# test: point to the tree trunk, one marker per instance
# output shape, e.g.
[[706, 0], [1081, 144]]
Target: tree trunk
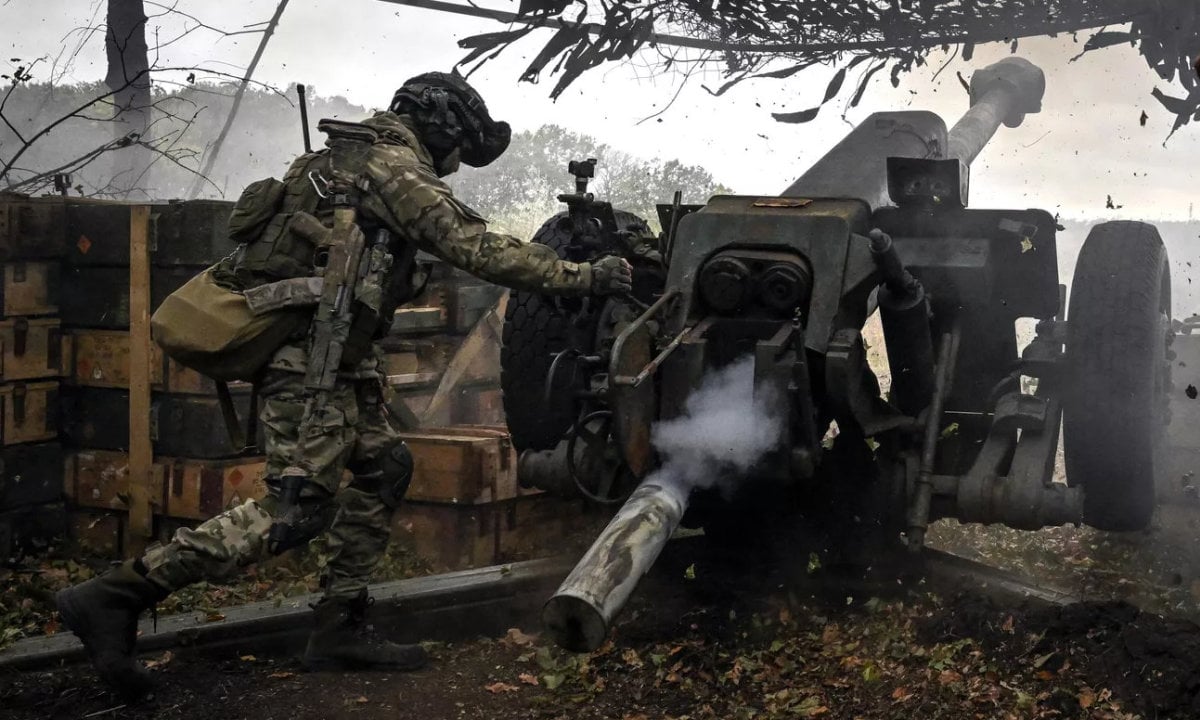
[[129, 79]]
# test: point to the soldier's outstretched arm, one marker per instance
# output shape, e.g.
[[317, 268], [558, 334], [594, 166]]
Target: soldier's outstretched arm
[[419, 206]]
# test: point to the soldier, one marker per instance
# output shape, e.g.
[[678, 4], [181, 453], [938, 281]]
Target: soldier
[[435, 121]]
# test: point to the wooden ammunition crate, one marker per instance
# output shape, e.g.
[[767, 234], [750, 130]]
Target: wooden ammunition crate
[[462, 465], [183, 488], [419, 320], [193, 232], [540, 525], [30, 288], [533, 525], [180, 425], [98, 297], [29, 412], [100, 358], [198, 490], [451, 537], [32, 529], [33, 349], [478, 405], [467, 303], [32, 228], [30, 475]]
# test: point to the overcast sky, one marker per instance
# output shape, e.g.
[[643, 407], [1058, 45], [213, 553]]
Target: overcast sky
[[1086, 144]]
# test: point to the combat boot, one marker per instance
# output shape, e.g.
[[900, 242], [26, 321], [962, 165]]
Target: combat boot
[[103, 612], [341, 640]]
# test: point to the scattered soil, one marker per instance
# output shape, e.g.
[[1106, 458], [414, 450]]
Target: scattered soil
[[1157, 570], [710, 648]]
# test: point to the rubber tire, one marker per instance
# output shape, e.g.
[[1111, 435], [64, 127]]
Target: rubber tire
[[536, 328], [1114, 423]]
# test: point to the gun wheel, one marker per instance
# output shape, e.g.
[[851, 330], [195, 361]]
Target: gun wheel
[[537, 328], [1115, 414]]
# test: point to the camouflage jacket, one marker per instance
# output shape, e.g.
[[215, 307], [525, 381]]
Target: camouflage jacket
[[406, 197]]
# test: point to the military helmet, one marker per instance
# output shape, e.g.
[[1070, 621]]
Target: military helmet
[[483, 139]]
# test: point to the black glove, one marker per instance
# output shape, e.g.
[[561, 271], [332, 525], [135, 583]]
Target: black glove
[[612, 276]]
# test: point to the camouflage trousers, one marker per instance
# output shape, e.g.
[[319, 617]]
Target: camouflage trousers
[[352, 431]]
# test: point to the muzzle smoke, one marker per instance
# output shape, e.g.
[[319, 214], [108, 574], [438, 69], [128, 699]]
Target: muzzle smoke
[[725, 430]]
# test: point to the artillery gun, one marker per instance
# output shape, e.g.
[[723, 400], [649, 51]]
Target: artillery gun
[[880, 224]]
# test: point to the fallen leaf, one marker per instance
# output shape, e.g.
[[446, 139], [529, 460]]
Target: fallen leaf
[[528, 679], [515, 638], [247, 658], [1008, 625], [830, 635], [161, 661], [901, 694], [500, 687], [281, 675], [949, 677], [214, 617], [690, 573], [632, 659], [553, 680]]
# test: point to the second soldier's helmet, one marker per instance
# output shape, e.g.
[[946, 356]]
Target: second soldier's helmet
[[453, 112]]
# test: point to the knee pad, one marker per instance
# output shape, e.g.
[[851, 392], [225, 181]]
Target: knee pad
[[387, 475]]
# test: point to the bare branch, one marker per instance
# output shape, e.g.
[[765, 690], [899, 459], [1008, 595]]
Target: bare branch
[[78, 111]]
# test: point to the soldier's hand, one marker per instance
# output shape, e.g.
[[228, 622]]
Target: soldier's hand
[[612, 276]]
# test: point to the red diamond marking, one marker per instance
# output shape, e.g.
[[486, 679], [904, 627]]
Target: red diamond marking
[[84, 244]]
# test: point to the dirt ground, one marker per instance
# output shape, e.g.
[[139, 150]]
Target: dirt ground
[[699, 642], [1157, 569], [695, 648]]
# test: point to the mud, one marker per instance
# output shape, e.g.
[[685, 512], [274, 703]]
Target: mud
[[1150, 661]]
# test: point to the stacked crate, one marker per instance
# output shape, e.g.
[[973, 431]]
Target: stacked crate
[[99, 264], [447, 341], [31, 365], [465, 507], [196, 471]]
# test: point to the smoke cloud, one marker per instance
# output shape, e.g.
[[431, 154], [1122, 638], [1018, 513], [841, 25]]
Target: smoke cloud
[[725, 430]]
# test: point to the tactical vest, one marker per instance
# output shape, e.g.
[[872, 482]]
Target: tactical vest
[[269, 250]]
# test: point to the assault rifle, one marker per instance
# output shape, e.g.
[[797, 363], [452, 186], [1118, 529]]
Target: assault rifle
[[349, 307]]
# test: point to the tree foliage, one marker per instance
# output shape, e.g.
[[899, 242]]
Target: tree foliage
[[742, 39], [519, 190]]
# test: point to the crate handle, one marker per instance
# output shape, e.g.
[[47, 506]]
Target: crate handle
[[19, 393], [20, 336]]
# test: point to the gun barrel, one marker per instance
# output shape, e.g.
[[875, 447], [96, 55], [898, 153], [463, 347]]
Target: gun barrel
[[1003, 92], [579, 615]]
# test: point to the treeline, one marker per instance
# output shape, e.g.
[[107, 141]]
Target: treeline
[[517, 192]]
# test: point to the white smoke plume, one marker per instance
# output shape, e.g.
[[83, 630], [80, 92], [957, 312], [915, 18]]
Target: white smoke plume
[[725, 430]]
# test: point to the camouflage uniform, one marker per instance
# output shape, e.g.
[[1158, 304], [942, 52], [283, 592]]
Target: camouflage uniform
[[406, 198]]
